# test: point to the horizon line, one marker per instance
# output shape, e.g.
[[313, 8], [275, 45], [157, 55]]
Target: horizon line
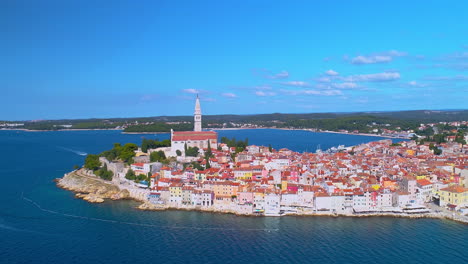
[[136, 117]]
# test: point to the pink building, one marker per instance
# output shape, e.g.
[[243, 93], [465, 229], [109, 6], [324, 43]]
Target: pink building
[[245, 197]]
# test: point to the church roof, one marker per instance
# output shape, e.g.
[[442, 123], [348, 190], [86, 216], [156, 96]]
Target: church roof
[[194, 135]]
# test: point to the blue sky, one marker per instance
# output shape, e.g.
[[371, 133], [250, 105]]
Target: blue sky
[[83, 59]]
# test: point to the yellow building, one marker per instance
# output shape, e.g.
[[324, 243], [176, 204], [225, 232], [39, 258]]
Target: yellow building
[[226, 188], [243, 173], [175, 189], [422, 177], [455, 195]]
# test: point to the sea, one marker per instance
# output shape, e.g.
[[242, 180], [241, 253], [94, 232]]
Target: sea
[[40, 223]]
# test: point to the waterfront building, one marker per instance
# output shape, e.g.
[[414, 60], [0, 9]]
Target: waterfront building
[[454, 195], [272, 204]]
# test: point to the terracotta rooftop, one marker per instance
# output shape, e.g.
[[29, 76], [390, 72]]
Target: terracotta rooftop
[[193, 135]]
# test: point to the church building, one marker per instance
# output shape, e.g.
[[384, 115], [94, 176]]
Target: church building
[[196, 138]]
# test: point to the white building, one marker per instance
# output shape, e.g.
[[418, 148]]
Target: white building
[[272, 204]]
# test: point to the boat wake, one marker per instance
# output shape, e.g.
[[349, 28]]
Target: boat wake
[[77, 152], [142, 224], [5, 226]]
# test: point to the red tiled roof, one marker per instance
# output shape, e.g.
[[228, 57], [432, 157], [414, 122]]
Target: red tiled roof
[[194, 135]]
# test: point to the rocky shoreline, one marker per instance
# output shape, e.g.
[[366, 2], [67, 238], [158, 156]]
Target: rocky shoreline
[[95, 190], [89, 189]]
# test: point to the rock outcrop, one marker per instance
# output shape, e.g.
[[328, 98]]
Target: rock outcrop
[[91, 189]]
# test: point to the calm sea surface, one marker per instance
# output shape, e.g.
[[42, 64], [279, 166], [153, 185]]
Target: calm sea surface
[[40, 223]]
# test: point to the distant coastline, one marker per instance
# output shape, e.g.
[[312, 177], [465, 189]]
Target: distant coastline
[[215, 129], [310, 130], [66, 129]]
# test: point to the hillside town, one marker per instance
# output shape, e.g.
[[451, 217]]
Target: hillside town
[[200, 173]]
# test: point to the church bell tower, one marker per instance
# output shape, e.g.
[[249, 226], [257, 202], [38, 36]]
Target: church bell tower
[[197, 116]]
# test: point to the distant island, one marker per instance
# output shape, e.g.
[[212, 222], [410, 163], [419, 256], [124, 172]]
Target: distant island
[[424, 177], [394, 124]]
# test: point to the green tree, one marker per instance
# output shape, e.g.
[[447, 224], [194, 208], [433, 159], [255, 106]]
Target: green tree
[[130, 175], [157, 156], [192, 152], [208, 152], [270, 148], [460, 138], [92, 162], [140, 177], [104, 173], [128, 152], [153, 144], [439, 138], [437, 151], [240, 145]]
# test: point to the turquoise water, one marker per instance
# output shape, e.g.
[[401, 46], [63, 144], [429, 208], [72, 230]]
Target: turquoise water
[[40, 223]]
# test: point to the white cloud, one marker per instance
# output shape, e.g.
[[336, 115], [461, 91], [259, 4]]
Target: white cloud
[[323, 79], [371, 59], [281, 75], [381, 57], [296, 83], [416, 84], [345, 85], [396, 53], [313, 92], [191, 91], [229, 95], [265, 73], [264, 93], [457, 56], [331, 73], [326, 92], [263, 87], [448, 78], [375, 77]]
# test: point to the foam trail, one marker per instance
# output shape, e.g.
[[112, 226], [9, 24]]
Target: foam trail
[[5, 226], [77, 152], [142, 224]]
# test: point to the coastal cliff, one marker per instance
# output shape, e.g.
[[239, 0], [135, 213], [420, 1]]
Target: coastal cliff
[[91, 189]]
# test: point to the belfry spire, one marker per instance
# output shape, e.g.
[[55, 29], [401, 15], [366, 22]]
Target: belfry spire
[[197, 116]]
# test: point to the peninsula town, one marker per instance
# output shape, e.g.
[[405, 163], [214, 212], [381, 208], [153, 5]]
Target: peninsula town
[[426, 176]]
